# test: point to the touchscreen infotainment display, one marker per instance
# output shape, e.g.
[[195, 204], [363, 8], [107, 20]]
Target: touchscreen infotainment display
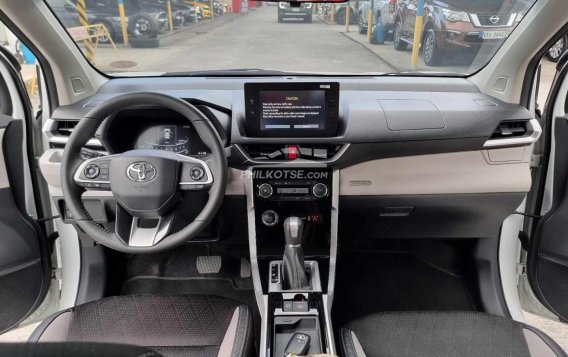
[[292, 109]]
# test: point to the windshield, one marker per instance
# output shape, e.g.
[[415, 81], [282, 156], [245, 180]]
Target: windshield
[[225, 37]]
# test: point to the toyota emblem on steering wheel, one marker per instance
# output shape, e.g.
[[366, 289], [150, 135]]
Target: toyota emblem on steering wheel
[[141, 171]]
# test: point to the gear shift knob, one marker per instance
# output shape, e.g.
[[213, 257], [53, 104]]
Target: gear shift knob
[[293, 266], [293, 230]]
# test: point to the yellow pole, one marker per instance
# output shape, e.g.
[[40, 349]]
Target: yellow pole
[[347, 20], [123, 24], [84, 21], [33, 84], [332, 21], [195, 8], [417, 34], [212, 9], [103, 30], [369, 25], [170, 16]]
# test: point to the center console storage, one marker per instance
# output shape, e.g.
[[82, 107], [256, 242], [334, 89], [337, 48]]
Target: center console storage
[[285, 326], [297, 312]]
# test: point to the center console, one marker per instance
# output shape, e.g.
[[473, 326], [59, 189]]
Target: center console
[[292, 214]]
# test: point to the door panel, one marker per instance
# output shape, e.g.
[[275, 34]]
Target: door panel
[[24, 259], [548, 254]]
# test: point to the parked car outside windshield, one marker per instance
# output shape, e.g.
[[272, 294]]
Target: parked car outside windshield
[[445, 37]]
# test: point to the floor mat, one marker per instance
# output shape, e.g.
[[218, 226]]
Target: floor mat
[[190, 269], [374, 282], [190, 286], [191, 261], [185, 271]]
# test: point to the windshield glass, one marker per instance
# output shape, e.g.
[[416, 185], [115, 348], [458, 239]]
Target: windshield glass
[[224, 37]]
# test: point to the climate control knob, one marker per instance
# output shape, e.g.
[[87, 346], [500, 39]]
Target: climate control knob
[[320, 190], [265, 190]]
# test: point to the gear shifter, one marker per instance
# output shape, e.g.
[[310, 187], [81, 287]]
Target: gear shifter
[[293, 269]]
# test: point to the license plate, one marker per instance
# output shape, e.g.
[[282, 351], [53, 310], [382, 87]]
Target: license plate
[[295, 10], [494, 35]]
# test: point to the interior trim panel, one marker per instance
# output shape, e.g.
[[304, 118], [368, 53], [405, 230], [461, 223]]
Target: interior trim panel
[[461, 172]]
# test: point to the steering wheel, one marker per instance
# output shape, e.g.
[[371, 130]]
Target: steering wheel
[[147, 184]]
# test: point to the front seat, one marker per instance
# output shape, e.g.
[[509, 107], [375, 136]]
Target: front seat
[[444, 334], [172, 325]]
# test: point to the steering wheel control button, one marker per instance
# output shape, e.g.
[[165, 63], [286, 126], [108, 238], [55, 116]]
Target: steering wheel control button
[[196, 173], [270, 218], [91, 171], [265, 190], [320, 190]]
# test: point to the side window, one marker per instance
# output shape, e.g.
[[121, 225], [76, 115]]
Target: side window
[[548, 69], [30, 72]]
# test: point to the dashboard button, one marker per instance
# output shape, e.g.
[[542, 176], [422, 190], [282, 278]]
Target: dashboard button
[[197, 173], [300, 306], [91, 171], [287, 306], [270, 218]]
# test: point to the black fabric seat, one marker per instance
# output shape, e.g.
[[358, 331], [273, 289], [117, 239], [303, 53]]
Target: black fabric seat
[[444, 334], [172, 325], [74, 349]]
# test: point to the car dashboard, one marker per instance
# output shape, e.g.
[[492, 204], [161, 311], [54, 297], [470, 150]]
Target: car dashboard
[[378, 117], [358, 159]]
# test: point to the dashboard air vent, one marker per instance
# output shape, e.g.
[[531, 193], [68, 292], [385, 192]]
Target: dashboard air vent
[[58, 132], [510, 129], [284, 152], [65, 128]]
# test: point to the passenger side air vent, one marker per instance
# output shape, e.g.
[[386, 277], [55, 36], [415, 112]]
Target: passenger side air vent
[[510, 129], [514, 133], [284, 152]]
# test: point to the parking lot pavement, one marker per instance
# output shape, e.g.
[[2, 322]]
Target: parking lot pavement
[[400, 61], [237, 43]]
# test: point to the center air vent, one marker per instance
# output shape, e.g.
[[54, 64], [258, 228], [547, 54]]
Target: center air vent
[[284, 152]]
